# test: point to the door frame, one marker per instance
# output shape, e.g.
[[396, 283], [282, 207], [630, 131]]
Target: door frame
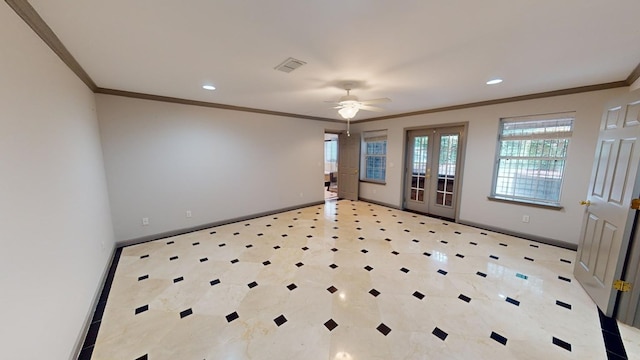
[[462, 144]]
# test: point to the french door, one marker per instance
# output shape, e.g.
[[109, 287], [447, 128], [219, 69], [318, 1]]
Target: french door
[[432, 176]]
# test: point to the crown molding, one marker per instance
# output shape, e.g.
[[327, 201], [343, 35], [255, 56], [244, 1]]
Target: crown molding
[[37, 24], [576, 90], [174, 100]]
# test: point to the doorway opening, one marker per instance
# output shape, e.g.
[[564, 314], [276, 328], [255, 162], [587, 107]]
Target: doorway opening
[[433, 176], [330, 166]]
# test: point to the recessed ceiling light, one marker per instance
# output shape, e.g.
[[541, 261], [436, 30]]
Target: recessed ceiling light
[[208, 87], [494, 81]]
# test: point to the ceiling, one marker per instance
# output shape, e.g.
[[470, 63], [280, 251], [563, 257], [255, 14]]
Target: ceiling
[[421, 54]]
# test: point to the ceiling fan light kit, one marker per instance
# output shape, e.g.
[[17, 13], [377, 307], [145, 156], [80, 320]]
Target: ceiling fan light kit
[[349, 105]]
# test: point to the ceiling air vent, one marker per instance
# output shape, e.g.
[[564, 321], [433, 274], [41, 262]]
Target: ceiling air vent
[[289, 65]]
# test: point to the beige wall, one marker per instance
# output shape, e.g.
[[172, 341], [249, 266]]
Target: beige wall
[[56, 235], [163, 160], [561, 225]]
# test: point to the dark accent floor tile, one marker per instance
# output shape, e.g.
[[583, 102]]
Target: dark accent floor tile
[[214, 282], [144, 256], [464, 298], [503, 244], [234, 261], [480, 273], [482, 233], [141, 309], [384, 329], [222, 245], [277, 247], [234, 315], [564, 278], [460, 256], [259, 234], [334, 249], [404, 270], [204, 259], [563, 344], [457, 232], [173, 258], [265, 263], [195, 243], [143, 277], [309, 236], [249, 246], [566, 261], [360, 238], [178, 279], [442, 272], [444, 241], [418, 295], [236, 233], [364, 251], [395, 252], [374, 292], [143, 357], [383, 230], [499, 338], [563, 304], [299, 264], [368, 268], [513, 301], [185, 313], [305, 248], [333, 266], [528, 258], [284, 235], [426, 254], [252, 284], [440, 334], [534, 246], [415, 240], [494, 257], [170, 242], [280, 320], [406, 230], [332, 289], [213, 232], [331, 324], [522, 276], [473, 243], [291, 286], [387, 239]]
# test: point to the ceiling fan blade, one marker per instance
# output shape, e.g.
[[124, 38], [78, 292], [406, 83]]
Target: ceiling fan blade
[[376, 101], [370, 108]]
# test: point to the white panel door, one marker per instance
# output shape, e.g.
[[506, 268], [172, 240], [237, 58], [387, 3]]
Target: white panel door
[[608, 218], [348, 166]]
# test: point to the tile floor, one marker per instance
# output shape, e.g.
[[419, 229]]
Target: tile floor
[[347, 280]]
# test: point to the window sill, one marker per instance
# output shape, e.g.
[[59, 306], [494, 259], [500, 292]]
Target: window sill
[[373, 181], [526, 203]]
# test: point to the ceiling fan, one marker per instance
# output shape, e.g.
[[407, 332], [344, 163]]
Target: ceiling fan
[[349, 105]]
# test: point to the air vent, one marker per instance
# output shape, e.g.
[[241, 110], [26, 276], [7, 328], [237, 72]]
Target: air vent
[[289, 65]]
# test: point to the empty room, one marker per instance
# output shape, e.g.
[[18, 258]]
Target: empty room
[[319, 180]]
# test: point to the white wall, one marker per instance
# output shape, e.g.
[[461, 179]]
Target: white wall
[[164, 159], [56, 236], [561, 225]]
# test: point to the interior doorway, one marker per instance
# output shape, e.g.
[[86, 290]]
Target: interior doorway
[[433, 176], [330, 166]]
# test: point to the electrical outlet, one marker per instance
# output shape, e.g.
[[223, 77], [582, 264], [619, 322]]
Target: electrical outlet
[[525, 218], [145, 221], [188, 213]]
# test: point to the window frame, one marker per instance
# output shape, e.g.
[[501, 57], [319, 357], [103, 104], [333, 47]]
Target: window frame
[[558, 136], [372, 137]]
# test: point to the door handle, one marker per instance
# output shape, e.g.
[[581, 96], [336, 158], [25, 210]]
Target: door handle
[[585, 202]]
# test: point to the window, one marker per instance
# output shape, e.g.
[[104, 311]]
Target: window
[[330, 153], [531, 158], [374, 149]]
